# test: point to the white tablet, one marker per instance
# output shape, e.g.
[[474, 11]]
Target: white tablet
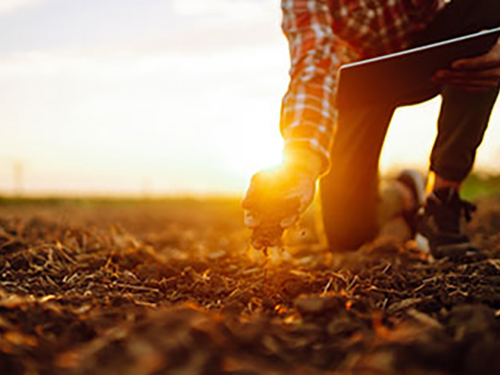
[[407, 73]]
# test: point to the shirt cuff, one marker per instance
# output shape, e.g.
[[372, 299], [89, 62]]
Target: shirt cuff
[[297, 146]]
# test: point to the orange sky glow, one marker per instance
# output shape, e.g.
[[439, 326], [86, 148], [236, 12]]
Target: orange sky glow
[[165, 97]]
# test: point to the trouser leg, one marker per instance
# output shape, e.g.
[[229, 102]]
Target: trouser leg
[[349, 193], [462, 123], [464, 115]]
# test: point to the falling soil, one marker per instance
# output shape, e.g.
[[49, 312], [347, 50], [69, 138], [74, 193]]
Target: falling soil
[[173, 288]]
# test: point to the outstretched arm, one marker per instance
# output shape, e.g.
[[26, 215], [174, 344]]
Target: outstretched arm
[[307, 119], [308, 113]]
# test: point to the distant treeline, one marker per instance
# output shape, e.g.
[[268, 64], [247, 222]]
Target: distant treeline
[[477, 185]]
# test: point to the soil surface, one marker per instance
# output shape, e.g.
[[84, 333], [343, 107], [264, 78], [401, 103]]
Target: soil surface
[[172, 288]]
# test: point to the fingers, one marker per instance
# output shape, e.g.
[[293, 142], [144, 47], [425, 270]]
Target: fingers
[[488, 74], [476, 63], [486, 61], [249, 203], [289, 221], [261, 244], [472, 86], [473, 89], [251, 219], [474, 80], [252, 194], [277, 200], [457, 81]]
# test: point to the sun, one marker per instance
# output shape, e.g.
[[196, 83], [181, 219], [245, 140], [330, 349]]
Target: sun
[[259, 149]]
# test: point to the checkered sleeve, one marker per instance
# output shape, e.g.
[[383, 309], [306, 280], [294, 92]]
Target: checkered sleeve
[[308, 114], [422, 10]]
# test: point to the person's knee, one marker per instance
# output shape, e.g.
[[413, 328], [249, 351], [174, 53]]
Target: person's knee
[[350, 218], [349, 235]]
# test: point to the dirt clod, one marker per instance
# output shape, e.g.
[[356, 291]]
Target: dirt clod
[[170, 288]]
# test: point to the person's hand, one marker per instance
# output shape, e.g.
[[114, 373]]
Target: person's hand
[[475, 74], [277, 197]]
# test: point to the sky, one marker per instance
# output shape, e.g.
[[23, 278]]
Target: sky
[[157, 97]]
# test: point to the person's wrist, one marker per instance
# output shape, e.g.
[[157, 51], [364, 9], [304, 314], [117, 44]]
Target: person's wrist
[[304, 161]]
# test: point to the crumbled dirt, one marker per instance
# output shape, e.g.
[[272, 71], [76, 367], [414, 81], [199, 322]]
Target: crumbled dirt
[[172, 288]]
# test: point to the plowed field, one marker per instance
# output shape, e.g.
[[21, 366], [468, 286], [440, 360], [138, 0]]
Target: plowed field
[[172, 288]]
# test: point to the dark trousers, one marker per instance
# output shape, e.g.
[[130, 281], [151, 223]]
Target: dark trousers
[[349, 193]]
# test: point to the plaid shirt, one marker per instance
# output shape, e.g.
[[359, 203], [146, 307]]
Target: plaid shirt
[[325, 34]]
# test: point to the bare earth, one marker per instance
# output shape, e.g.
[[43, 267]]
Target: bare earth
[[172, 288]]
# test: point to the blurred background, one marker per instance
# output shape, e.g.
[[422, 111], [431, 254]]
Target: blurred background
[[157, 97]]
